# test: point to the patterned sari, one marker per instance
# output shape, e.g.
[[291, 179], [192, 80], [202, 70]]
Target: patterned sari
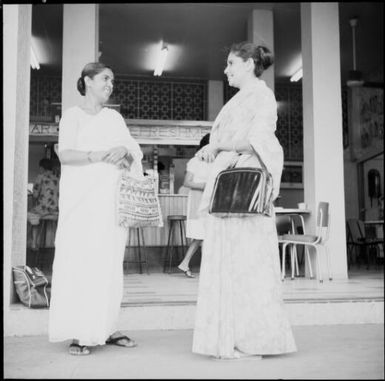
[[240, 304]]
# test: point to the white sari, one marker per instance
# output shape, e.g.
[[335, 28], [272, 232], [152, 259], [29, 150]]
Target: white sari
[[87, 278]]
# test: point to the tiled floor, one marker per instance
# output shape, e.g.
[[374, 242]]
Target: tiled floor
[[176, 288]]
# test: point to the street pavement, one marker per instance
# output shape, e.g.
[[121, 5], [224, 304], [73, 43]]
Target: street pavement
[[324, 352]]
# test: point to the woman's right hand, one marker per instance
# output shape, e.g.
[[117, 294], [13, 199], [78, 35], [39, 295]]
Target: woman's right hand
[[126, 162], [116, 154], [208, 153]]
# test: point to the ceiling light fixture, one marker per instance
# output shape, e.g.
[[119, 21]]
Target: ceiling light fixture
[[161, 61], [34, 62], [296, 76], [355, 76]]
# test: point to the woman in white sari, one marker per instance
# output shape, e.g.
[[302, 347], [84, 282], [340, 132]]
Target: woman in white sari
[[240, 311], [87, 278]]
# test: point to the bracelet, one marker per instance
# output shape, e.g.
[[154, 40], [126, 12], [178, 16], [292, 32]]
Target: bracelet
[[89, 156]]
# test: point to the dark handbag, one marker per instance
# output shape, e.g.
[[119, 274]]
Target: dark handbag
[[32, 286], [243, 191], [138, 202]]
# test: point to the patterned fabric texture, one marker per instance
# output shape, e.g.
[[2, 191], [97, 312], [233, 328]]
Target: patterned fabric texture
[[240, 304], [138, 203], [46, 193]]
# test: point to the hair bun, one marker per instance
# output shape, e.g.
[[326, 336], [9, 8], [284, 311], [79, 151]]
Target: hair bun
[[81, 86], [265, 57]]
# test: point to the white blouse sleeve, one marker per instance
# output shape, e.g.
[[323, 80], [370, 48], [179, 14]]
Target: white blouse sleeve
[[68, 131]]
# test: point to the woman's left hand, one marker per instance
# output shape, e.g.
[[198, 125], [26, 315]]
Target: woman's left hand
[[208, 153], [115, 155]]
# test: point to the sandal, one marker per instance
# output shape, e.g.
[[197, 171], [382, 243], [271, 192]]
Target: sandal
[[119, 341], [187, 272], [78, 350]]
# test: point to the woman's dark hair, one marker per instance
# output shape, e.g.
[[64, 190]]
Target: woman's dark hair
[[90, 70], [262, 56], [46, 164], [204, 141]]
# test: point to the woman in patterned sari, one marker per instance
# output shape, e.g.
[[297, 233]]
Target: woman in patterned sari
[[240, 310]]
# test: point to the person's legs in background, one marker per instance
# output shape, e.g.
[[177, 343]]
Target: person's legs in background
[[184, 265], [34, 221]]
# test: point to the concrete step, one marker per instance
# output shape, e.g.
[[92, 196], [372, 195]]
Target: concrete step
[[23, 321]]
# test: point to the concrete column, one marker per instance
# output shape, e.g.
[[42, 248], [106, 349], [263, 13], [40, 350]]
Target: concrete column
[[16, 89], [215, 98], [80, 46], [322, 126], [260, 30]]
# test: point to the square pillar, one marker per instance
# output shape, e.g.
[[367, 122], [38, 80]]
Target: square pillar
[[260, 30], [322, 126], [215, 98], [17, 21], [80, 46]]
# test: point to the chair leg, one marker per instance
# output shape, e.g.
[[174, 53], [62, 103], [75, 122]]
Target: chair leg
[[283, 261], [292, 261], [171, 248], [318, 265], [182, 238], [280, 251], [167, 248], [309, 263], [328, 259], [302, 258], [296, 260]]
